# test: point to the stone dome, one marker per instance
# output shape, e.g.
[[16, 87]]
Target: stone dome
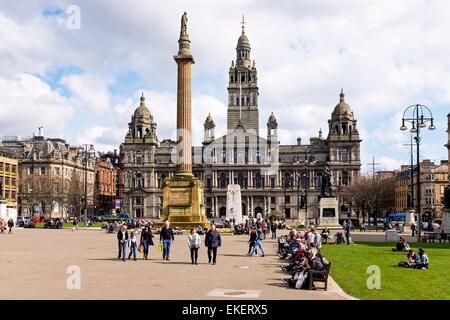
[[209, 120], [142, 111], [243, 41], [342, 109], [272, 118]]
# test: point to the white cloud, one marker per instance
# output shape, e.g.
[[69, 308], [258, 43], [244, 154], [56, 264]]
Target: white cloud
[[27, 102], [89, 92]]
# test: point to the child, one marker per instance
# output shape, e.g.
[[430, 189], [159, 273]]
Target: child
[[132, 242], [423, 260]]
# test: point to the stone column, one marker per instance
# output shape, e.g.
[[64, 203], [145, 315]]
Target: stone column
[[184, 60]]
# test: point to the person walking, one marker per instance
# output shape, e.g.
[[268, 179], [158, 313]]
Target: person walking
[[75, 224], [258, 243], [347, 233], [2, 226], [122, 237], [166, 237], [413, 229], [10, 225], [252, 240], [194, 242], [273, 227], [146, 240], [132, 243], [212, 242]]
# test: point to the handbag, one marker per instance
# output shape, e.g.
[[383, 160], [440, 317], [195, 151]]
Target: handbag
[[160, 248], [301, 279], [140, 248]]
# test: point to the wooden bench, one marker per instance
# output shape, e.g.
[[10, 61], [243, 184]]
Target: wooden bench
[[432, 236], [372, 228], [320, 276]]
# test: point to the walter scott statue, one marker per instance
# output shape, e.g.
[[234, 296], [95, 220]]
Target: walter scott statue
[[326, 182]]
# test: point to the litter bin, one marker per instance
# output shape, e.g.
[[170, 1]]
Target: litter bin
[[391, 235]]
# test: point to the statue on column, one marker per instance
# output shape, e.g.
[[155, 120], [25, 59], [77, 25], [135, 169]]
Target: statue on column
[[184, 20], [409, 202], [326, 182], [447, 197]]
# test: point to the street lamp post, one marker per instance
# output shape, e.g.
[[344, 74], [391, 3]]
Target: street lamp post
[[417, 120], [88, 152]]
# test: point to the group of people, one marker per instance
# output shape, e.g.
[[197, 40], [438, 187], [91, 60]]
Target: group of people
[[414, 260], [166, 239], [4, 224], [306, 255]]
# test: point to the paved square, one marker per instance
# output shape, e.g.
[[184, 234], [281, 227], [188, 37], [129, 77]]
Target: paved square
[[34, 262]]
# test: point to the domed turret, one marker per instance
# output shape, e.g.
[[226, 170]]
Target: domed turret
[[209, 125], [142, 112], [342, 109]]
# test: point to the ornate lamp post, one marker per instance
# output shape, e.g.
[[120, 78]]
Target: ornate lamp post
[[418, 121], [88, 152]]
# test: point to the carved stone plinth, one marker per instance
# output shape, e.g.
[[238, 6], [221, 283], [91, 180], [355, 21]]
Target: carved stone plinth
[[183, 204]]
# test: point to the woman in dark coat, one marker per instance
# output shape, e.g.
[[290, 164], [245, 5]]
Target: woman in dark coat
[[146, 239]]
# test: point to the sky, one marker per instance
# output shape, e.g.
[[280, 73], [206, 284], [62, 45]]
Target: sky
[[77, 68]]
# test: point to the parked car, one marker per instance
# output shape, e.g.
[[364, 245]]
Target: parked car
[[20, 221], [28, 223]]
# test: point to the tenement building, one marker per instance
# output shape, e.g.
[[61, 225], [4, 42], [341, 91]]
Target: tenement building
[[8, 177], [54, 177], [273, 177]]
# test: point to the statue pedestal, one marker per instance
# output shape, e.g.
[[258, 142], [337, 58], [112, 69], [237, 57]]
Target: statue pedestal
[[329, 210], [445, 220], [302, 217], [183, 204], [409, 220]]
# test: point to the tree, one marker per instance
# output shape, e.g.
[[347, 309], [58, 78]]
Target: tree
[[75, 194], [370, 195]]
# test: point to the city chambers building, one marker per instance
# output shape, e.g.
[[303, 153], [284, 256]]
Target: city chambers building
[[273, 177]]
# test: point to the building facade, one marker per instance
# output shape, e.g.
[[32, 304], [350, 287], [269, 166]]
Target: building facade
[[433, 179], [52, 177], [105, 186], [272, 177], [9, 177]]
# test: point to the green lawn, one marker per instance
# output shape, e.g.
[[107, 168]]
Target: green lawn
[[349, 265], [70, 225]]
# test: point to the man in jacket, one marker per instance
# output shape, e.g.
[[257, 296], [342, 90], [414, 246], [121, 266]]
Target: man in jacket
[[273, 227], [122, 237], [212, 242], [166, 237]]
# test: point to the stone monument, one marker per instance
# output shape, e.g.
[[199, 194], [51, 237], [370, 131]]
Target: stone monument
[[183, 201], [446, 211], [234, 203], [302, 211], [409, 219], [329, 206]]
